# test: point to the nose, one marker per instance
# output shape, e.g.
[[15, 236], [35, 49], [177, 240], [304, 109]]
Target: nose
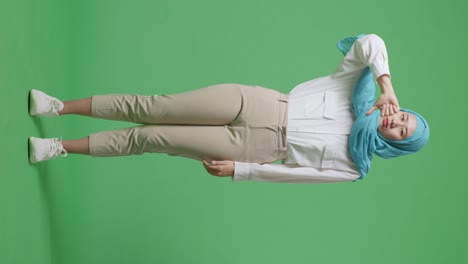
[[396, 123]]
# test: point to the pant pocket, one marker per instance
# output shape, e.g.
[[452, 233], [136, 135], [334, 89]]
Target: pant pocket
[[262, 144]]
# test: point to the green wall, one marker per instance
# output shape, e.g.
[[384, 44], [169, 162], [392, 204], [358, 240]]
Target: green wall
[[163, 209]]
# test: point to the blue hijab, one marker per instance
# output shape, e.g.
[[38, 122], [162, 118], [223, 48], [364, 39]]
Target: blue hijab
[[364, 139]]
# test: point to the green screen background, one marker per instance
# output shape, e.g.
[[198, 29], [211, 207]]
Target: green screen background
[[163, 209]]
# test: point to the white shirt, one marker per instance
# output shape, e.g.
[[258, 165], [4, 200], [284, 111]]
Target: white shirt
[[320, 118]]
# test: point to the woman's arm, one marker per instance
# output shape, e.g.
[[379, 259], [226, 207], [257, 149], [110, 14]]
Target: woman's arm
[[371, 51], [387, 102], [291, 173], [368, 51]]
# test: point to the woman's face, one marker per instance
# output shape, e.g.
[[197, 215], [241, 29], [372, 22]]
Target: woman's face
[[398, 126]]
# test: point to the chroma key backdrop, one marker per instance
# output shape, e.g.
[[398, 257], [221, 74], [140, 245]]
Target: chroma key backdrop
[[157, 208]]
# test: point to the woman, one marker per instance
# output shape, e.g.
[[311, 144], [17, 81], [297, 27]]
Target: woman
[[324, 130]]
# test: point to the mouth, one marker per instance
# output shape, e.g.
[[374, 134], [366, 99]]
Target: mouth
[[385, 122]]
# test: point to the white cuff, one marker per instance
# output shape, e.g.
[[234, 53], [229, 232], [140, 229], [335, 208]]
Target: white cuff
[[241, 171]]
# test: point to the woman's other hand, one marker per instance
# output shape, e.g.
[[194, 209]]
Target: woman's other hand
[[387, 101], [220, 168]]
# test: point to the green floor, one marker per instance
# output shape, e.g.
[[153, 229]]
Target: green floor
[[162, 209]]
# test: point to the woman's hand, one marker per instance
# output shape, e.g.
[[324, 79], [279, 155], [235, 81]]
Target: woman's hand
[[387, 101], [221, 168]]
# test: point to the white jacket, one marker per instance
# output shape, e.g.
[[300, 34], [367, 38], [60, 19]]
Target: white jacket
[[320, 118]]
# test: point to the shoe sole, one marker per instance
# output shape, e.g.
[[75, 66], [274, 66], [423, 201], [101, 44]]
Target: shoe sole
[[31, 102], [30, 151]]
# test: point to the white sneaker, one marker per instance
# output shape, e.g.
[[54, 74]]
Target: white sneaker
[[41, 104], [41, 149]]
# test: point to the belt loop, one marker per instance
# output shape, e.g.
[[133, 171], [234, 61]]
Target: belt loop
[[282, 147], [283, 97]]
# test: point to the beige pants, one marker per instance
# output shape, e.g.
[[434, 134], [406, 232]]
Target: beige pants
[[226, 121]]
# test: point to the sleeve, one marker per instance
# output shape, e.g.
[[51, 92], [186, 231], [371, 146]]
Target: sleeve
[[289, 173], [370, 51]]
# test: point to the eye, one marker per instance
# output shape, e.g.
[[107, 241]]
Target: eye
[[402, 117]]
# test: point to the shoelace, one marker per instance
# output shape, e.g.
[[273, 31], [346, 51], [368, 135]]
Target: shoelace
[[54, 105], [56, 148]]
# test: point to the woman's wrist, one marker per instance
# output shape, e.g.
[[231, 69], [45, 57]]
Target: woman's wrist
[[385, 84]]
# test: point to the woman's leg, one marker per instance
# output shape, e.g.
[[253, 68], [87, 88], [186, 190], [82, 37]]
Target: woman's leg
[[213, 105], [195, 142], [77, 107], [77, 146]]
